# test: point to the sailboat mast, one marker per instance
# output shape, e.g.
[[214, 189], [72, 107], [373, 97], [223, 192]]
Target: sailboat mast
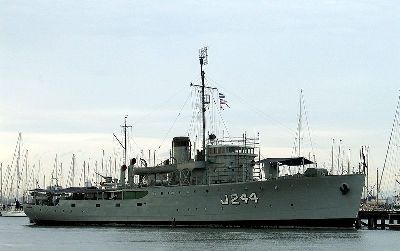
[[1, 183], [125, 140], [56, 165], [300, 120], [26, 176], [333, 145], [73, 170], [377, 186], [18, 159]]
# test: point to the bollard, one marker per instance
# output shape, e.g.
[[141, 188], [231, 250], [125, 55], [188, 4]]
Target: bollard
[[370, 224], [375, 220], [358, 224], [383, 223]]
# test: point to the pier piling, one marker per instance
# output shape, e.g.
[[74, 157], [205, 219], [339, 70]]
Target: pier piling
[[373, 217]]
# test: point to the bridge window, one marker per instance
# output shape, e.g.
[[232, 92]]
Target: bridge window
[[231, 149]]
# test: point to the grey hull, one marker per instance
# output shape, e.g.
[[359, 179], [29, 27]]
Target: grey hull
[[291, 201]]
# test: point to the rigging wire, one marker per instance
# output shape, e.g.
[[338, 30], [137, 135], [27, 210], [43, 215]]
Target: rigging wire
[[173, 124], [141, 119], [395, 120], [308, 125], [252, 106]]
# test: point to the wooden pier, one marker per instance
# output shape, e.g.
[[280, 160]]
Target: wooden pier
[[376, 219]]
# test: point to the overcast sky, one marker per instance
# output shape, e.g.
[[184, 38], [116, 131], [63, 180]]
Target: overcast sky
[[70, 71]]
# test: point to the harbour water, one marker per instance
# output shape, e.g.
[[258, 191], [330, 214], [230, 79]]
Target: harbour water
[[19, 234]]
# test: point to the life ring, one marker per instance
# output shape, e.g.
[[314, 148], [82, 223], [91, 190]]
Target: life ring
[[344, 188]]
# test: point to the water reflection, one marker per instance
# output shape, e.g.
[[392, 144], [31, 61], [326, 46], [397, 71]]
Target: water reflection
[[18, 234]]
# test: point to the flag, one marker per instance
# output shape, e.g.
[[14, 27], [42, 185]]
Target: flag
[[222, 101]]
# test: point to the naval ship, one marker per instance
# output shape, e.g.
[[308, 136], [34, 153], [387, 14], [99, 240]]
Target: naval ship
[[216, 185]]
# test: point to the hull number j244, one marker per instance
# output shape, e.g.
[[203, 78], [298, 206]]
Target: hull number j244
[[236, 199]]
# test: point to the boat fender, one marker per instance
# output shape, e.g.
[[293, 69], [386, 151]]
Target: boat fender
[[344, 188]]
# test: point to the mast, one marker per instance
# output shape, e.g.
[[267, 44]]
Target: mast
[[348, 162], [84, 173], [56, 165], [333, 145], [338, 156], [377, 187], [367, 163], [102, 164], [203, 61], [1, 183], [125, 139], [26, 176], [73, 170], [61, 173], [300, 120], [18, 159]]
